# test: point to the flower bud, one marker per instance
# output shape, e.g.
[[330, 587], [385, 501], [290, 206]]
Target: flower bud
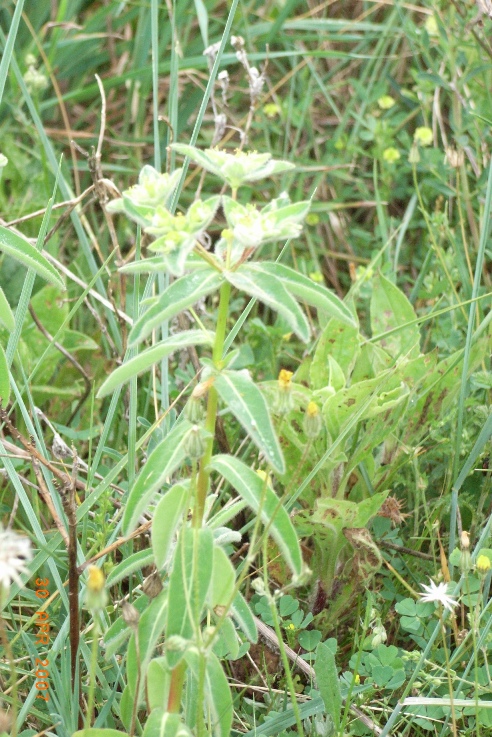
[[283, 401], [152, 586], [194, 445], [95, 595], [194, 411], [130, 615], [312, 421]]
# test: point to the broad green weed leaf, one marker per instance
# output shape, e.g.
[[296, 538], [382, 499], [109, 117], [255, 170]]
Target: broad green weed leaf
[[161, 463], [268, 289], [162, 723], [339, 408], [188, 584], [390, 309], [340, 514], [246, 402], [21, 250], [4, 378], [218, 697], [305, 290], [147, 358], [180, 295], [6, 314], [167, 517], [328, 684], [261, 498], [340, 341]]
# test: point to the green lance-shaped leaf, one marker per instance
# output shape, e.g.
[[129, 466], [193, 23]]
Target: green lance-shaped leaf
[[180, 295], [391, 309], [260, 496], [6, 314], [189, 583], [4, 378], [164, 724], [135, 562], [151, 625], [162, 462], [305, 290], [147, 358], [270, 290], [99, 732], [167, 517], [242, 614], [223, 579], [21, 250], [328, 684], [218, 698], [247, 404]]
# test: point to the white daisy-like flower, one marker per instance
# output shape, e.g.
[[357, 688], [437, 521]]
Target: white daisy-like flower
[[438, 593], [15, 552]]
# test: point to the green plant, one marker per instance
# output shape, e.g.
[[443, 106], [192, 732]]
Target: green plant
[[203, 588]]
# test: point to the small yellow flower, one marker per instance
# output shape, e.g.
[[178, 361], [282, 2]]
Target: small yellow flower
[[423, 136], [312, 409], [291, 626], [431, 26], [96, 580], [317, 277], [483, 564], [265, 477], [284, 379], [391, 155], [271, 110], [386, 102]]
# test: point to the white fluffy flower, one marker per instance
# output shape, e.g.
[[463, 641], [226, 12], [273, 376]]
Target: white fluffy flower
[[438, 592], [15, 552]]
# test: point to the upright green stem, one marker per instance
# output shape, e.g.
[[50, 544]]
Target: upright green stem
[[92, 683], [203, 472]]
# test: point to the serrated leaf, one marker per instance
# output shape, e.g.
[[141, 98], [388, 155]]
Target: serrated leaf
[[21, 250], [6, 314], [130, 565], [390, 309], [167, 517], [307, 291], [147, 358], [180, 295], [268, 289], [218, 695], [4, 378], [189, 583], [260, 496], [247, 404], [161, 463]]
